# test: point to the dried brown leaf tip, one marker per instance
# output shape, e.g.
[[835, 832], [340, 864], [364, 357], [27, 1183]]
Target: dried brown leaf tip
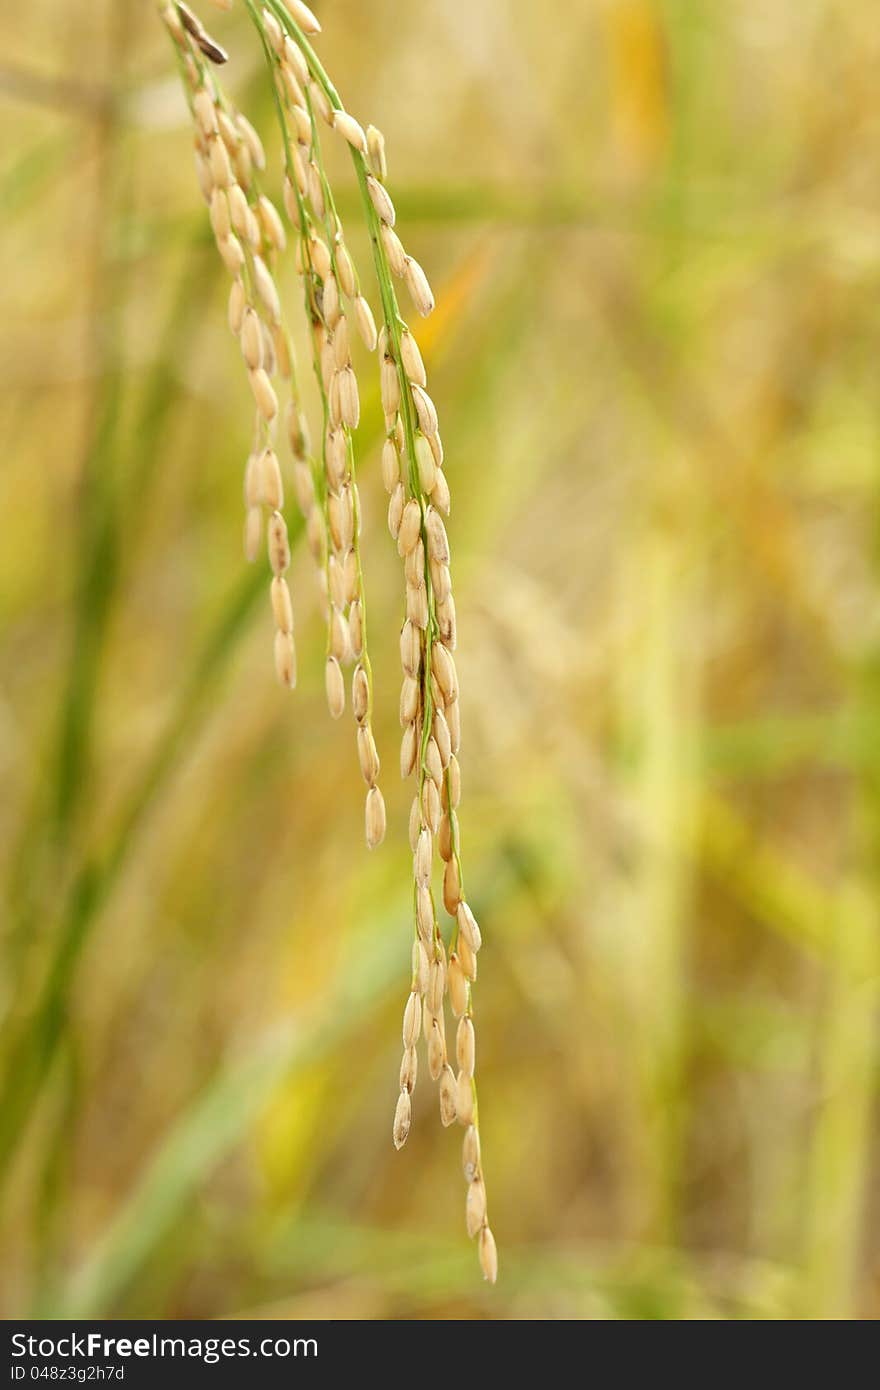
[[252, 240]]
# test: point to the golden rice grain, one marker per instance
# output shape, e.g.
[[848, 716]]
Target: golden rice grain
[[475, 1206], [271, 486], [390, 466], [410, 695], [296, 60], [402, 1119], [412, 1020], [252, 141], [447, 1089], [282, 607], [264, 394], [467, 926], [334, 686], [375, 818], [412, 359], [457, 985], [350, 130], [396, 507], [368, 756], [381, 201], [409, 1069], [410, 526], [436, 1052], [360, 694], [426, 411], [464, 1098], [365, 322], [408, 749], [376, 150], [285, 659], [468, 959], [303, 16], [488, 1255], [279, 547], [420, 290], [465, 1046], [237, 305], [393, 246]]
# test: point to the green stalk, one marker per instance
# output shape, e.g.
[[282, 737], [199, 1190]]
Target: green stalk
[[31, 1049]]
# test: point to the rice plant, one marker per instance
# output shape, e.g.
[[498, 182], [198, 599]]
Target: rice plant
[[653, 352], [252, 239]]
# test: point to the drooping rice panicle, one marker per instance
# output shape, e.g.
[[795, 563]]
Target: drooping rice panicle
[[250, 236], [429, 697], [330, 288]]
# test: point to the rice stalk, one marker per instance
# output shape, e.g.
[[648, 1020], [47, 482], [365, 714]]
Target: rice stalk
[[251, 239]]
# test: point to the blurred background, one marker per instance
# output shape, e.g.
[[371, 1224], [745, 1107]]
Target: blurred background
[[654, 231]]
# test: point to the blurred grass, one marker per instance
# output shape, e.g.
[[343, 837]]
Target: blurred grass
[[655, 232]]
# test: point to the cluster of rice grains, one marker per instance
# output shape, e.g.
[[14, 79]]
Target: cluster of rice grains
[[251, 238]]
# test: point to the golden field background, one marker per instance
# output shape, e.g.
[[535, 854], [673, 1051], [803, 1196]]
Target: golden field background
[[654, 232]]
